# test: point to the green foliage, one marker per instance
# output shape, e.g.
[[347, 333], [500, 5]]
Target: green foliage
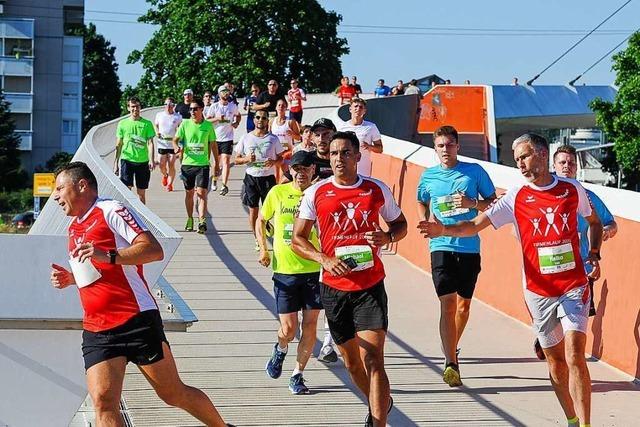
[[12, 176], [203, 43], [16, 201], [620, 119], [101, 91]]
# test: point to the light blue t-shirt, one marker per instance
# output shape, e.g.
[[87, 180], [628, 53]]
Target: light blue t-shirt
[[583, 226], [438, 184]]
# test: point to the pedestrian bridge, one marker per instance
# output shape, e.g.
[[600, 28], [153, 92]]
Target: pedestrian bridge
[[217, 279]]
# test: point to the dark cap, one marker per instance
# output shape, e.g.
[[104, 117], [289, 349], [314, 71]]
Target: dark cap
[[304, 158], [323, 123]]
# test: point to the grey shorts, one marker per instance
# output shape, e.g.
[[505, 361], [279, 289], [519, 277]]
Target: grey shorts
[[554, 316]]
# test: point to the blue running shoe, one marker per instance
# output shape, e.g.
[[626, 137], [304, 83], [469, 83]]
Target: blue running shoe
[[296, 385], [274, 365]]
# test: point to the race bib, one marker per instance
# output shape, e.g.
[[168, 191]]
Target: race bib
[[446, 207], [138, 141], [556, 259], [361, 254], [295, 102], [287, 233]]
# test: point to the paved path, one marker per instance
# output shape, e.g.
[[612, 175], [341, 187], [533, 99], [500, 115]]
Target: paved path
[[225, 352]]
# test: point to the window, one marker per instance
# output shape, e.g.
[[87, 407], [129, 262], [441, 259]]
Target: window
[[71, 68], [15, 84], [22, 121], [18, 47], [70, 89], [69, 127]]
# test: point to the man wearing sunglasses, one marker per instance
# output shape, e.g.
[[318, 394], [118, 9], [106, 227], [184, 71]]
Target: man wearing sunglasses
[[267, 100], [259, 150], [225, 117], [166, 124], [199, 142], [183, 107]]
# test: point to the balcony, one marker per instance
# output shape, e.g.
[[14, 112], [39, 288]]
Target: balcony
[[16, 28], [20, 103], [16, 67]]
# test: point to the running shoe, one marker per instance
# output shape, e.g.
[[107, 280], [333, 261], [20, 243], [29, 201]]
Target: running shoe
[[368, 421], [165, 180], [170, 187], [274, 365], [189, 225], [202, 226], [451, 375], [537, 348], [214, 187], [296, 385], [224, 190], [328, 354]]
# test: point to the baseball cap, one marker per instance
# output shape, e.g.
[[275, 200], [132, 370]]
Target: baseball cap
[[304, 158], [323, 123], [187, 92], [223, 88]]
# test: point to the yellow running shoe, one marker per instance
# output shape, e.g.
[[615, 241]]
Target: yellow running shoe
[[451, 375]]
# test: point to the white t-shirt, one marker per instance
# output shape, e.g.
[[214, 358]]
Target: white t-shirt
[[283, 132], [224, 130], [367, 132], [167, 126], [266, 147]]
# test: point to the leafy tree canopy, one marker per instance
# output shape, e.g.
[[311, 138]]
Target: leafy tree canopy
[[620, 119], [12, 175], [203, 43]]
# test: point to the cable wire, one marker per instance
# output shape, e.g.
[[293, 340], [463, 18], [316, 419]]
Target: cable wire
[[571, 83]]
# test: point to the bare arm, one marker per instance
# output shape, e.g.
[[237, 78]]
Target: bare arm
[[261, 237], [609, 231], [462, 201], [431, 229], [397, 231], [376, 147], [423, 211], [143, 250], [116, 161], [302, 246], [595, 240], [236, 120], [295, 130], [150, 148]]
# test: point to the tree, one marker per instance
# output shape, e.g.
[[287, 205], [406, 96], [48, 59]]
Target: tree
[[620, 119], [101, 91], [203, 43], [13, 176]]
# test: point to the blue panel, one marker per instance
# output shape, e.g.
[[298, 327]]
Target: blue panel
[[512, 102]]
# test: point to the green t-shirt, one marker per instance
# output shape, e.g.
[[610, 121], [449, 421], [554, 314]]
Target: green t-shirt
[[134, 135], [281, 204], [196, 138]]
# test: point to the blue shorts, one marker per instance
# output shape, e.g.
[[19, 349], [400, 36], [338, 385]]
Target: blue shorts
[[295, 292]]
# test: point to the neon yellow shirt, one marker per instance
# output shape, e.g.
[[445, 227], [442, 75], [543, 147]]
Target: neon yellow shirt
[[281, 205], [134, 135], [196, 138]]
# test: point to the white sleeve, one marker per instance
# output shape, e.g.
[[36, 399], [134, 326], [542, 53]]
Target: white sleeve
[[123, 222], [375, 133], [390, 211], [303, 93], [584, 205], [501, 211], [307, 208], [239, 149]]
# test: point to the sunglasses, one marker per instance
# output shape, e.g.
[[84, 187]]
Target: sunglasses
[[261, 118], [194, 108], [169, 103]]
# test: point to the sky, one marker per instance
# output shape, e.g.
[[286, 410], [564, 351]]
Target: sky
[[485, 42]]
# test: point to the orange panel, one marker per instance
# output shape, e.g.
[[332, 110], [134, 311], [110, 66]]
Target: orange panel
[[614, 333], [462, 107]]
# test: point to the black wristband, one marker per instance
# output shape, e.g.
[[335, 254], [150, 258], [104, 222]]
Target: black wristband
[[112, 256]]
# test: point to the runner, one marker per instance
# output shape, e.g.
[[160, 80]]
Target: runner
[[287, 132], [226, 117], [295, 96], [249, 101], [166, 124], [183, 107], [121, 320], [260, 151], [267, 100], [307, 140], [566, 166], [295, 280], [134, 158], [323, 130], [198, 143], [451, 191], [207, 98], [545, 212], [368, 134], [352, 275], [345, 91]]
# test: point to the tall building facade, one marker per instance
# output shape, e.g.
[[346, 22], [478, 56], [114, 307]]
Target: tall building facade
[[41, 75]]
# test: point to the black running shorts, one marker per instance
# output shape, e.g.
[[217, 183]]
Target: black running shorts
[[350, 312], [455, 272], [195, 176], [137, 173], [139, 340], [225, 147], [255, 189]]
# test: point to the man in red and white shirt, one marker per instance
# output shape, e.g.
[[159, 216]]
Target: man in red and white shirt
[[346, 209], [545, 214], [121, 319], [295, 96]]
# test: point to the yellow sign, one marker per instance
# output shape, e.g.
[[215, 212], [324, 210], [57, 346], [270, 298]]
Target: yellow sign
[[43, 184]]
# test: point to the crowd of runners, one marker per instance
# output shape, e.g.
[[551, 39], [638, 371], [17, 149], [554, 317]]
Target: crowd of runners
[[309, 190]]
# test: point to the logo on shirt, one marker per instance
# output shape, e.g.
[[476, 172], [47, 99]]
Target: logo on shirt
[[350, 211], [366, 193], [129, 219], [530, 199], [330, 193], [548, 220], [563, 195]]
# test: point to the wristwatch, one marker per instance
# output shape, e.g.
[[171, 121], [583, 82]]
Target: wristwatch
[[112, 256], [595, 252]]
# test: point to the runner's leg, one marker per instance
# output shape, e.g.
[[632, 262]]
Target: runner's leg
[[462, 317], [350, 351], [371, 345], [164, 378], [308, 337], [448, 334], [559, 376], [579, 378], [104, 381]]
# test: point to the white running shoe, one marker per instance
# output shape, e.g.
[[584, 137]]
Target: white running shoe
[[328, 354]]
